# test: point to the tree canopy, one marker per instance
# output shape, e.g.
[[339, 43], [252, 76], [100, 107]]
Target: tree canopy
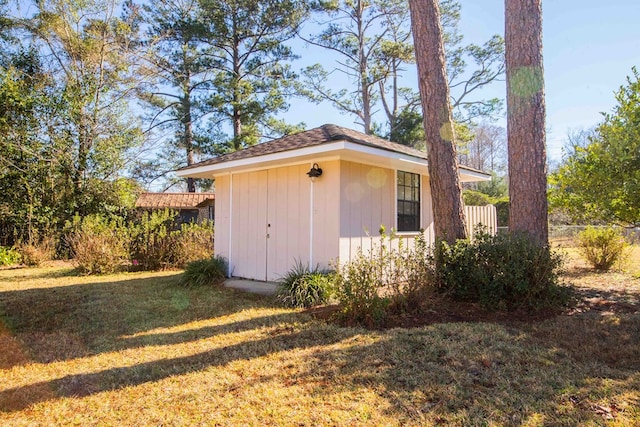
[[600, 181]]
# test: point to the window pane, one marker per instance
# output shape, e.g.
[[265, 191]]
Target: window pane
[[408, 204]]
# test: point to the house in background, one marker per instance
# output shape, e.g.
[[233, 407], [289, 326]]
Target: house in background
[[319, 196], [191, 207]]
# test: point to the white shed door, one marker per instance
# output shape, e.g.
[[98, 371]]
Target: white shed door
[[269, 222], [249, 225]]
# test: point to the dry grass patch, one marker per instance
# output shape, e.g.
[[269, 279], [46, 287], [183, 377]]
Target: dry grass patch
[[137, 349]]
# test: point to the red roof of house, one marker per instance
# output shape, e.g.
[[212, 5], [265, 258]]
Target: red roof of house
[[172, 200]]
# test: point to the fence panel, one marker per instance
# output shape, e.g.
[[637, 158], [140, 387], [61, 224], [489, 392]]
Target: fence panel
[[481, 215]]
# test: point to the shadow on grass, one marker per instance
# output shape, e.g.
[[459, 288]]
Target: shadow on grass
[[70, 321], [81, 385]]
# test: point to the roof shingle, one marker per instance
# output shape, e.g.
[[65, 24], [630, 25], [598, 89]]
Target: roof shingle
[[172, 200], [320, 135]]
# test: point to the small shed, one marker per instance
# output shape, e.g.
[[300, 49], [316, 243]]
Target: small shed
[[191, 207], [317, 197]]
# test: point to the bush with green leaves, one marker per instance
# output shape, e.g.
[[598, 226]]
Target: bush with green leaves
[[303, 287], [602, 247], [159, 241], [98, 244], [211, 272], [392, 276], [359, 288], [9, 256], [506, 271], [151, 239]]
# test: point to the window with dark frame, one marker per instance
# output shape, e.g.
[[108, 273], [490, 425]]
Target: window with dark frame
[[408, 201]]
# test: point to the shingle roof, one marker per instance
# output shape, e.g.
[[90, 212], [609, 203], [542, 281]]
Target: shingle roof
[[317, 136], [172, 200], [320, 135]]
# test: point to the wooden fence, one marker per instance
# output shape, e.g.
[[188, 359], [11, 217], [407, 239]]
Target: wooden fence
[[481, 215]]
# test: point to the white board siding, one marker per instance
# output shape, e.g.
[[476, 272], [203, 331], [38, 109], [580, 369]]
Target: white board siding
[[221, 220], [289, 217], [326, 216], [367, 201]]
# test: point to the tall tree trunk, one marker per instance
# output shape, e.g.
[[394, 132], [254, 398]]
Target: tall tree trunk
[[187, 126], [446, 193], [526, 119]]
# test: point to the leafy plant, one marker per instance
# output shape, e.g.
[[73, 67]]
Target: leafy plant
[[602, 247], [35, 253], [303, 287], [505, 271], [190, 243], [99, 245], [9, 256], [151, 239], [212, 271]]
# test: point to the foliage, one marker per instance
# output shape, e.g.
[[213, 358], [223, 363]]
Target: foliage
[[601, 180], [9, 256], [151, 243], [358, 289], [476, 198], [502, 211], [191, 242], [99, 245], [40, 249], [205, 272], [64, 126], [158, 241], [251, 76], [502, 272], [303, 287], [602, 247], [373, 40], [372, 285]]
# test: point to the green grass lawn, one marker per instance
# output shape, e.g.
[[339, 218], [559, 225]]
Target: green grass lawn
[[137, 349]]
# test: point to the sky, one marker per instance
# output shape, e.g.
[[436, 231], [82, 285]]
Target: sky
[[589, 48]]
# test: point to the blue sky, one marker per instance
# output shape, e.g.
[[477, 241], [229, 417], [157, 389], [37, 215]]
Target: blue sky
[[589, 48]]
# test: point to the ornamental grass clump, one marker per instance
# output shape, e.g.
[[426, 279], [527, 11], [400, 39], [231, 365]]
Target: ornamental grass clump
[[303, 287], [602, 247], [205, 272]]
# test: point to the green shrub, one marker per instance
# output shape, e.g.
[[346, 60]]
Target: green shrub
[[151, 242], [302, 287], [9, 256], [371, 286], [190, 243], [359, 285], [99, 245], [475, 198], [502, 211], [506, 271], [203, 272], [602, 247]]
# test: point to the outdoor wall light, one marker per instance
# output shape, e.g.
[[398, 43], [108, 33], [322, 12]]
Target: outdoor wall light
[[314, 172]]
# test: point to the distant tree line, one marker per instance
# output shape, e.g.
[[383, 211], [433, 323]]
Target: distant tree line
[[101, 98]]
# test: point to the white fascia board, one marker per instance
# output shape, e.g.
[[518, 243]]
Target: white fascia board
[[330, 150], [467, 175], [321, 150], [252, 162]]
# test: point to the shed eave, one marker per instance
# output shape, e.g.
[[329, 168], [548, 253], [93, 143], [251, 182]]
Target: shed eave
[[342, 149]]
